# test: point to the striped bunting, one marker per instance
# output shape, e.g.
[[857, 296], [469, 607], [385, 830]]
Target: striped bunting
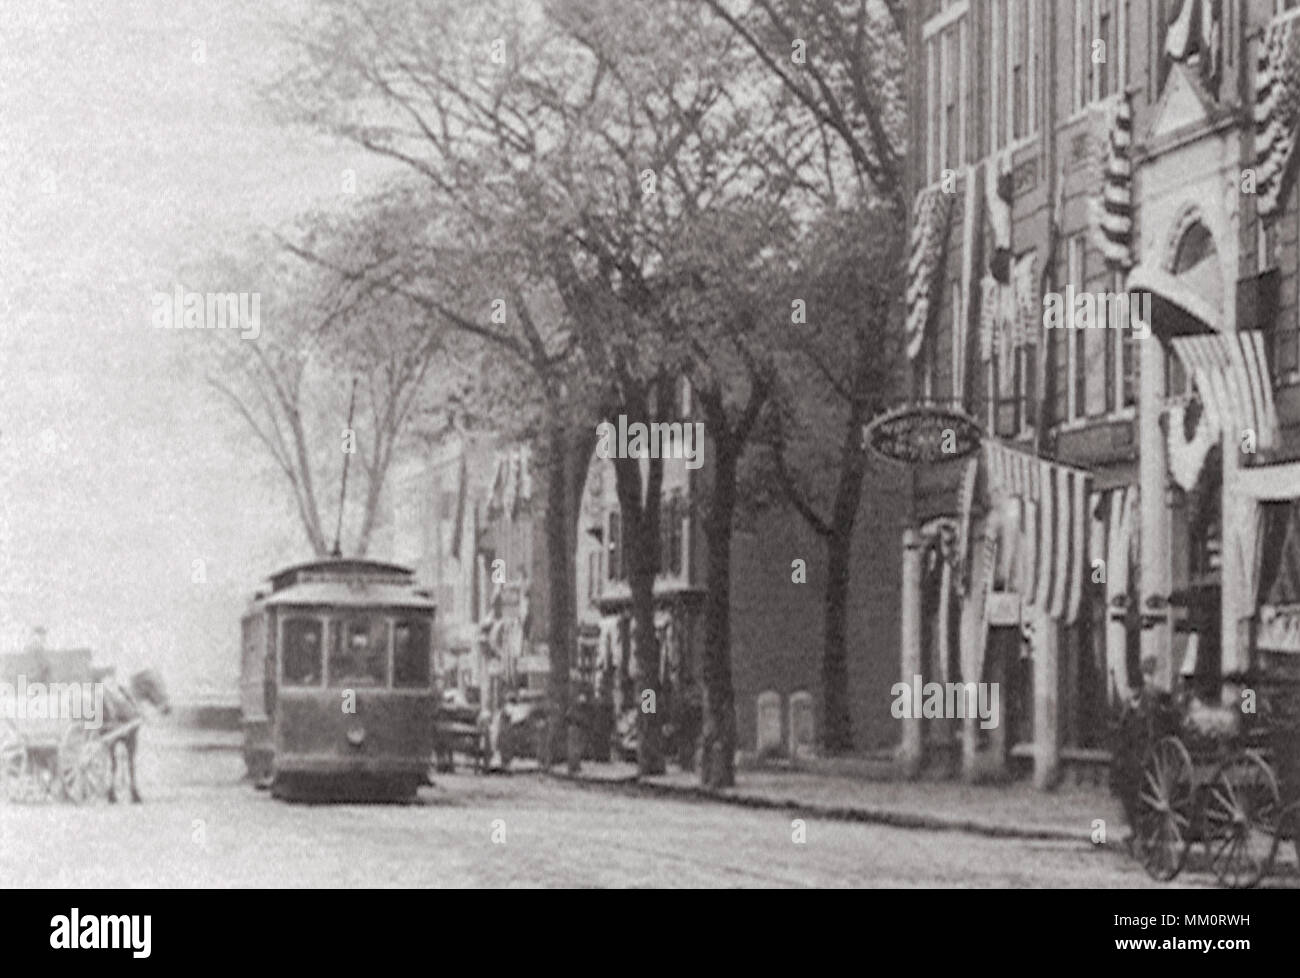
[[1113, 214], [1231, 375], [1053, 530], [930, 216], [1277, 111]]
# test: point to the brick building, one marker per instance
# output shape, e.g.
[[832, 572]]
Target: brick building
[[1130, 162]]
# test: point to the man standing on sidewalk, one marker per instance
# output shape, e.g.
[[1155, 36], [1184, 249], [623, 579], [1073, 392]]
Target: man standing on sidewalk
[[576, 741]]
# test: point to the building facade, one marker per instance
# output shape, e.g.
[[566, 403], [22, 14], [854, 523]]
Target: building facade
[[1103, 275], [468, 519]]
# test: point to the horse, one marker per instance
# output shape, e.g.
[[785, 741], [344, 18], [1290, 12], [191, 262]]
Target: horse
[[122, 706]]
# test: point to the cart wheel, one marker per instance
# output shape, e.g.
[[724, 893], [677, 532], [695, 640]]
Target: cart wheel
[[120, 772], [1164, 809], [1242, 808], [85, 768], [14, 773]]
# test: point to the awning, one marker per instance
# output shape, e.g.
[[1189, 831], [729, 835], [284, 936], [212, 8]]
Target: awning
[[1170, 290]]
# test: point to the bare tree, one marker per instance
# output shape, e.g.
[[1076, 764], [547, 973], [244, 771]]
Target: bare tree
[[289, 383]]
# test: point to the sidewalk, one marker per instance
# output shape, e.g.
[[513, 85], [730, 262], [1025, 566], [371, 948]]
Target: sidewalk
[[1014, 810]]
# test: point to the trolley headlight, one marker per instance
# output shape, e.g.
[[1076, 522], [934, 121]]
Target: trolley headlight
[[356, 736]]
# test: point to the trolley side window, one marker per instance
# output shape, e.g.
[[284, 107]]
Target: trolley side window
[[411, 653], [302, 652], [359, 652]]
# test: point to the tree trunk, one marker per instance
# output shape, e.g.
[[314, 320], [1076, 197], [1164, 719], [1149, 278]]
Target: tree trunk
[[718, 769], [640, 513], [837, 725], [559, 584]]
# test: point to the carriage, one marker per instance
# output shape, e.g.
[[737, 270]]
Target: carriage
[[336, 682], [1221, 773], [63, 749]]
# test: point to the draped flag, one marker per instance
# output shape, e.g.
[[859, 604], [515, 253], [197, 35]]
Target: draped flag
[[1187, 455], [1194, 28], [1112, 212], [1231, 374], [930, 217], [1277, 111], [999, 188], [1053, 532], [1029, 306], [990, 306], [458, 526]]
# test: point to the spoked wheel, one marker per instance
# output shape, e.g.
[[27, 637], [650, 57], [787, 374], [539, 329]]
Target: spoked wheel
[[1164, 809], [85, 768], [120, 772], [14, 770], [1241, 815]]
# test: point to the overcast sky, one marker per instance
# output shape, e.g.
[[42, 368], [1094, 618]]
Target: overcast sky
[[132, 143]]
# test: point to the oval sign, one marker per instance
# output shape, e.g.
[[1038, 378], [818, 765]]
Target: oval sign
[[921, 434]]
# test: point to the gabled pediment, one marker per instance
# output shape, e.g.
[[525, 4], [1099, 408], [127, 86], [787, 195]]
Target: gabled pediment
[[1184, 103]]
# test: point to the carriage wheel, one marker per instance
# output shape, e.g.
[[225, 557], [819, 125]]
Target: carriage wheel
[[1164, 809], [85, 768], [120, 772], [1240, 817], [13, 764]]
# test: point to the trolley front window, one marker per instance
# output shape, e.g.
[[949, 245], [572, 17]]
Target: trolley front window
[[359, 652], [302, 652], [411, 653]]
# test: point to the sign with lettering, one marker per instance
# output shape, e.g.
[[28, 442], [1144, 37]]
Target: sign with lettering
[[923, 434]]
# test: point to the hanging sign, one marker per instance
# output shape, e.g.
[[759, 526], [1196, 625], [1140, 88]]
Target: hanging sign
[[923, 434]]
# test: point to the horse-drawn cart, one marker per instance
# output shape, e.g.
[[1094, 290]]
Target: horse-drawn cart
[[1224, 775], [54, 738]]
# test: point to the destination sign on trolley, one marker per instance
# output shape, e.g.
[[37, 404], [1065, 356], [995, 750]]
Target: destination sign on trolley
[[923, 434]]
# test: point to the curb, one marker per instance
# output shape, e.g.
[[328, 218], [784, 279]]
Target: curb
[[843, 813]]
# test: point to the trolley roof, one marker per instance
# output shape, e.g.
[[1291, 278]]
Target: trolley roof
[[347, 582]]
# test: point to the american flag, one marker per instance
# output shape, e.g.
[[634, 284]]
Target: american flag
[[1231, 374], [1047, 505], [1277, 110]]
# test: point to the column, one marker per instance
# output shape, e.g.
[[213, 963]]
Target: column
[[910, 748], [1153, 541], [1046, 654]]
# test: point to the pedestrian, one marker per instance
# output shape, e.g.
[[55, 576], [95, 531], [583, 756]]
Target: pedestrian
[[576, 740]]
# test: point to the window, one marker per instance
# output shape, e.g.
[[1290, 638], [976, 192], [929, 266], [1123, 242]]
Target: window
[[670, 535], [301, 641], [1117, 311], [615, 545], [359, 652], [1077, 384], [1013, 81], [411, 650], [593, 576], [1100, 50], [946, 41]]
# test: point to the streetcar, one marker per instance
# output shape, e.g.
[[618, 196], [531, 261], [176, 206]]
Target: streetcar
[[337, 693]]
